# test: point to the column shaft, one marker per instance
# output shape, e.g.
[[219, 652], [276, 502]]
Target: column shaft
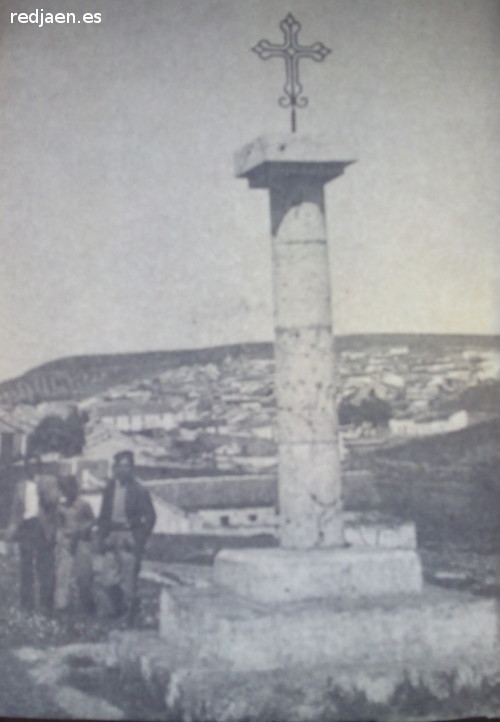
[[309, 469]]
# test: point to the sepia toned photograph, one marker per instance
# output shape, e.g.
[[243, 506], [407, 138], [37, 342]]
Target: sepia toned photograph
[[250, 360]]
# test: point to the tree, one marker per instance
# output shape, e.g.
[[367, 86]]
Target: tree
[[349, 413], [375, 411], [372, 410], [55, 434]]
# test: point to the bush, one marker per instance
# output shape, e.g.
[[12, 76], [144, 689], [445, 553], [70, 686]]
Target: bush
[[372, 410], [55, 434]]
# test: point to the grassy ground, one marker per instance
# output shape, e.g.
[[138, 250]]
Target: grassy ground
[[477, 572], [124, 687], [19, 628], [19, 697]]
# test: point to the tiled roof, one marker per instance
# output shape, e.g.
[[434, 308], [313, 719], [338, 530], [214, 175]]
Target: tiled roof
[[217, 492], [133, 409]]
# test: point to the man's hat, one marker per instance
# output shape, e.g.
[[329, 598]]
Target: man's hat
[[48, 491], [68, 481], [124, 455]]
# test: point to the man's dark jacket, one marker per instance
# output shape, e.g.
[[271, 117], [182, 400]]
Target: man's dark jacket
[[139, 511]]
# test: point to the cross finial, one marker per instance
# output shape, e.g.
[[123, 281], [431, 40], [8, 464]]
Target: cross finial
[[292, 52]]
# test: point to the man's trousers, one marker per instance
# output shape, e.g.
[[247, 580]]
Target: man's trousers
[[36, 566], [121, 566], [74, 568]]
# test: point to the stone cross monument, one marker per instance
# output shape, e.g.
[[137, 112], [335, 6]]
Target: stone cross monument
[[295, 170], [313, 560]]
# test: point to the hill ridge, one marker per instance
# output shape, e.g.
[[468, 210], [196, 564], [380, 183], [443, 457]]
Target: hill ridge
[[78, 377]]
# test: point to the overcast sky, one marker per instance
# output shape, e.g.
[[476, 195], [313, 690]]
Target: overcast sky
[[123, 227]]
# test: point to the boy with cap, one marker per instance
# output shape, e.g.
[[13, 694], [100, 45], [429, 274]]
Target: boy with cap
[[73, 553]]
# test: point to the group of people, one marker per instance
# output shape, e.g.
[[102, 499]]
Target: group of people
[[63, 547]]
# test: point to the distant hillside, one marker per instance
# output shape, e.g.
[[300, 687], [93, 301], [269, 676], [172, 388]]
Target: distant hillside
[[482, 398], [449, 485], [475, 445], [422, 342], [78, 377]]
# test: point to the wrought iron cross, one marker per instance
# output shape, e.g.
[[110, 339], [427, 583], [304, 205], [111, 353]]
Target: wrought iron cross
[[292, 52]]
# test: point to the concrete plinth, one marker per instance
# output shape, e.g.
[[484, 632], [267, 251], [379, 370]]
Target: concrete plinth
[[238, 659], [281, 575], [435, 626]]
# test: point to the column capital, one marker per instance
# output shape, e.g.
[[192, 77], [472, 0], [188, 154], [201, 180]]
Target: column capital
[[274, 160]]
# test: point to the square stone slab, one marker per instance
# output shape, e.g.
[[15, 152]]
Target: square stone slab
[[295, 154], [286, 575]]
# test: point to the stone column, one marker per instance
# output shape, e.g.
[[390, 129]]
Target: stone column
[[295, 170]]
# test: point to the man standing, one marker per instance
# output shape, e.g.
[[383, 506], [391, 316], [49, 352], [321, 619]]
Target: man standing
[[73, 553], [32, 525], [126, 520]]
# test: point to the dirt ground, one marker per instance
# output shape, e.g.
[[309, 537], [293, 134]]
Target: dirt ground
[[479, 573], [19, 628], [450, 568]]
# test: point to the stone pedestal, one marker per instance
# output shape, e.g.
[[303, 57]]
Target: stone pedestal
[[437, 627], [295, 170], [330, 659], [283, 575]]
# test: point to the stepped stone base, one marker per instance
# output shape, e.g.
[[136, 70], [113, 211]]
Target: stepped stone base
[[435, 627], [241, 659], [284, 575]]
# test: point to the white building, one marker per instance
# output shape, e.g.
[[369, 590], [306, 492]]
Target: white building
[[394, 380], [412, 428], [138, 417], [398, 351]]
